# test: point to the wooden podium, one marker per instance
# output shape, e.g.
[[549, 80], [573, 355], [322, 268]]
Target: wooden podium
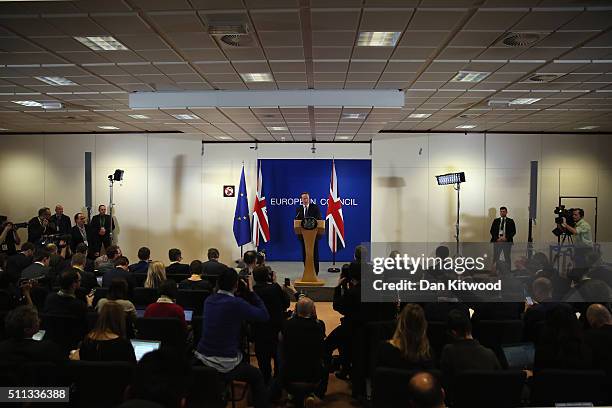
[[309, 278]]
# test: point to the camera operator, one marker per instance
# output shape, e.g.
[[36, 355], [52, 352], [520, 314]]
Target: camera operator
[[581, 232], [9, 239], [39, 226], [266, 333]]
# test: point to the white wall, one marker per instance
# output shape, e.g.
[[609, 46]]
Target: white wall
[[411, 207], [172, 193]]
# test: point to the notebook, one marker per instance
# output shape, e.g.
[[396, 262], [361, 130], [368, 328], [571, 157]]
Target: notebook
[[39, 335], [142, 347], [519, 356]]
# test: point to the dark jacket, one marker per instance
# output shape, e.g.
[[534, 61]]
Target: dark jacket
[[213, 267], [119, 273], [76, 238], [63, 225], [510, 229], [599, 341], [313, 211], [118, 349], [465, 355], [30, 351], [16, 264], [36, 270], [302, 350], [36, 230], [139, 267], [387, 355], [276, 301], [65, 305], [178, 268]]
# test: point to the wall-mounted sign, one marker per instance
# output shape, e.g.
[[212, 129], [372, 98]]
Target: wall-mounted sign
[[229, 191]]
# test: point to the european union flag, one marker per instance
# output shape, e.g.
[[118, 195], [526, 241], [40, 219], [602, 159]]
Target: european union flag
[[242, 217]]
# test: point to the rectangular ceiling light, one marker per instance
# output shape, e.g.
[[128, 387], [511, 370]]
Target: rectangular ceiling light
[[29, 103], [465, 127], [353, 116], [587, 127], [257, 77], [102, 43], [109, 127], [470, 76], [277, 128], [347, 98], [55, 81], [186, 117], [378, 38], [139, 116], [419, 115], [524, 101]]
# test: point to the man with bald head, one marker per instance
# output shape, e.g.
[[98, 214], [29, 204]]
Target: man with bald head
[[599, 337], [61, 221], [302, 351], [425, 391]]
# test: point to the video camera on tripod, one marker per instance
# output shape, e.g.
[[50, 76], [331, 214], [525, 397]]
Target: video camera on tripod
[[55, 239], [561, 212]]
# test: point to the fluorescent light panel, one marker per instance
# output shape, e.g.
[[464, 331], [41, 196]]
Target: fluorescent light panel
[[524, 101], [109, 127], [29, 103], [465, 127], [55, 81], [139, 116], [470, 76], [353, 116], [257, 77], [378, 38], [277, 128], [102, 43], [186, 117], [587, 127], [419, 115]]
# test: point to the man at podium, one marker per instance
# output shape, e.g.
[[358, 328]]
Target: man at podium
[[308, 209]]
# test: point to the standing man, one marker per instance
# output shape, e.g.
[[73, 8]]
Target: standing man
[[80, 233], [101, 227], [581, 234], [308, 209], [62, 222], [9, 239], [39, 226], [502, 234]]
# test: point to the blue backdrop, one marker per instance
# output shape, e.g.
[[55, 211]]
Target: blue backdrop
[[284, 180]]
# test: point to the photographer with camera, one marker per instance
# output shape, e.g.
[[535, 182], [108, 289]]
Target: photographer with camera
[[39, 226], [266, 333], [219, 347], [581, 233], [9, 239]]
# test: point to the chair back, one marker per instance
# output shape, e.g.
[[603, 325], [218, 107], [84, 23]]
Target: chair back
[[207, 388], [65, 331], [192, 299], [99, 383], [168, 330], [551, 387], [390, 386], [488, 388], [145, 296]]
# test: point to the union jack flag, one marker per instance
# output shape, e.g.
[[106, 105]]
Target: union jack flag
[[260, 213], [334, 217]]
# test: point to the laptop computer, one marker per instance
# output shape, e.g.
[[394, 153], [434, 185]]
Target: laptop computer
[[142, 347], [39, 335], [519, 355], [188, 314]]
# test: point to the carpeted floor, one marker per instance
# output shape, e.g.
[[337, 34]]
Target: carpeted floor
[[338, 391]]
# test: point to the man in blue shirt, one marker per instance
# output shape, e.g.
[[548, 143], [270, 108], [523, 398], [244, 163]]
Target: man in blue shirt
[[223, 316]]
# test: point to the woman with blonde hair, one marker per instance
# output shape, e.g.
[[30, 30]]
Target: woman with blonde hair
[[155, 275], [409, 347], [108, 340]]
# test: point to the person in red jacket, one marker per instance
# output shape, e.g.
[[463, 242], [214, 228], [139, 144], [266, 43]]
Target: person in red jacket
[[165, 305]]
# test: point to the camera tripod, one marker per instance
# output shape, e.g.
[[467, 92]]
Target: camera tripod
[[565, 245]]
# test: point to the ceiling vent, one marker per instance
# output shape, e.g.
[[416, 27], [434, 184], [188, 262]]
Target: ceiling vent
[[521, 39], [226, 24], [237, 40], [544, 77], [498, 103]]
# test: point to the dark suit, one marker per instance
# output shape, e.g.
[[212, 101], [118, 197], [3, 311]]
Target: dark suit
[[505, 247], [139, 267], [16, 264], [62, 224], [36, 230], [178, 268], [314, 212], [97, 222], [119, 273], [76, 238], [213, 267]]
